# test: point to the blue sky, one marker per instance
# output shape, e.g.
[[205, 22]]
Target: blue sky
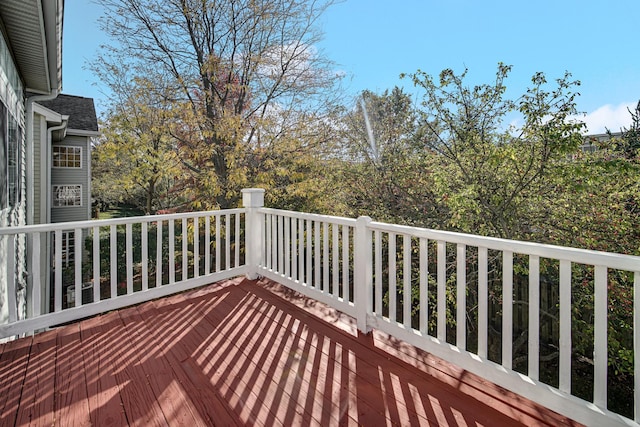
[[373, 41]]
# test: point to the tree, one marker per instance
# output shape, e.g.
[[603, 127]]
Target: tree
[[135, 161], [491, 179], [630, 143], [387, 173], [245, 71], [596, 201]]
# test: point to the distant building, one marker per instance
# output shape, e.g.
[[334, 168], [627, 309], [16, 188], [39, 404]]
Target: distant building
[[590, 143], [67, 124]]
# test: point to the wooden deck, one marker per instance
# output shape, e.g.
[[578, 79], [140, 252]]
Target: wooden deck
[[241, 353]]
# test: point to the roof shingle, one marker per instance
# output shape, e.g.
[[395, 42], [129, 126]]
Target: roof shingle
[[81, 111]]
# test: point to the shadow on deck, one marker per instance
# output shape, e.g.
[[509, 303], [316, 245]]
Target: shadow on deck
[[241, 353]]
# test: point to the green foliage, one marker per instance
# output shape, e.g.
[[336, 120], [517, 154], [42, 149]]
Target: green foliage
[[488, 179], [135, 160], [596, 203], [386, 175], [629, 144]]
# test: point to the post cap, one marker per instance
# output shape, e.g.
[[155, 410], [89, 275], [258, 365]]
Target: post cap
[[252, 197]]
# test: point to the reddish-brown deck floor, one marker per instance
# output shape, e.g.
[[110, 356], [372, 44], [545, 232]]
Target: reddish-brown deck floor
[[240, 353]]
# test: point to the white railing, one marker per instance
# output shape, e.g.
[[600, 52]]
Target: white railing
[[99, 266], [363, 268], [312, 254], [468, 299]]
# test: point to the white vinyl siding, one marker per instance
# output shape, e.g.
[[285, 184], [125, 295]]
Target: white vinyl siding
[[38, 169], [72, 177]]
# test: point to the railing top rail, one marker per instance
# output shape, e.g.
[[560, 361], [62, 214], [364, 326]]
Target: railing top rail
[[580, 256], [111, 221], [316, 217]]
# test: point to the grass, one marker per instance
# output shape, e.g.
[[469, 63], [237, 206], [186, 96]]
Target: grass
[[120, 212]]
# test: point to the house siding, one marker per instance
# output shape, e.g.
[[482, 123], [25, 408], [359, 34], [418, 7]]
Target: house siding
[[37, 177], [73, 176], [40, 167]]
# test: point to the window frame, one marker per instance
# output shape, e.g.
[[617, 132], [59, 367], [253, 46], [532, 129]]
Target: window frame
[[66, 157]]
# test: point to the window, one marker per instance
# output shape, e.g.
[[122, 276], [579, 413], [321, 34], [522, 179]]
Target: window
[[68, 247], [4, 172], [14, 161], [11, 154], [67, 195], [65, 156]]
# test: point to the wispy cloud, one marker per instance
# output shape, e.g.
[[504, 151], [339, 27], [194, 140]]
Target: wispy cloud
[[608, 117], [612, 117]]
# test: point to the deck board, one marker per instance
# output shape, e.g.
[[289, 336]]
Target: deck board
[[14, 359], [105, 403], [164, 388], [241, 353], [71, 401], [37, 407]]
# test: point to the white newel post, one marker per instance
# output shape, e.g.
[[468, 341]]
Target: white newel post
[[362, 275], [252, 200]]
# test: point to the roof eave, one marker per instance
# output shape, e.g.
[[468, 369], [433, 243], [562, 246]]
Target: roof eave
[[34, 31], [82, 132], [52, 21], [49, 115]]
